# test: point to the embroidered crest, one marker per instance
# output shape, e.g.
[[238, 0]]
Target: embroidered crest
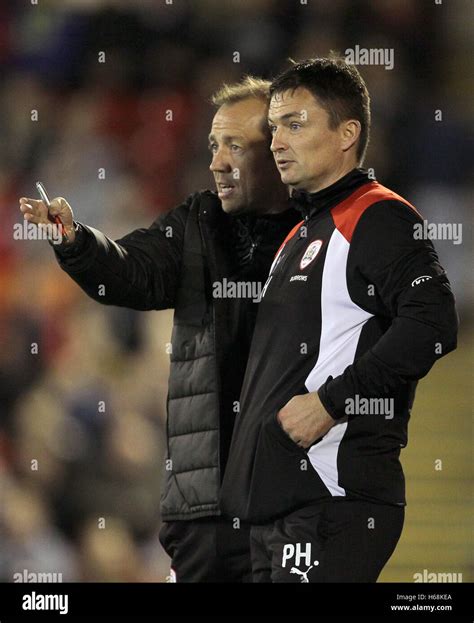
[[311, 253]]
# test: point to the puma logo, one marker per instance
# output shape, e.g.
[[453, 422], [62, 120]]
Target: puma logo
[[303, 574]]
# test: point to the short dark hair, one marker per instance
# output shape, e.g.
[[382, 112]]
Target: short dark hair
[[337, 86]]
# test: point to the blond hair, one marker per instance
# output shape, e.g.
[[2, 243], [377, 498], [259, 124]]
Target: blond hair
[[248, 87]]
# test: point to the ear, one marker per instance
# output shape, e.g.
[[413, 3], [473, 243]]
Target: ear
[[349, 133]]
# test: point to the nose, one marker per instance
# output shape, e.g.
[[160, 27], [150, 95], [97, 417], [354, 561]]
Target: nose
[[220, 164], [277, 143]]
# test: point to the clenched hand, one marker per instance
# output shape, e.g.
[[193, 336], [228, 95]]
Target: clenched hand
[[304, 419]]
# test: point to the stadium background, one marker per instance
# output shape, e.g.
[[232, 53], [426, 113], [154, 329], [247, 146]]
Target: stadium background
[[96, 118]]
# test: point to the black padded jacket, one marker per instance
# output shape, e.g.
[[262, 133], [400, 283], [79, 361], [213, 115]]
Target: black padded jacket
[[210, 268]]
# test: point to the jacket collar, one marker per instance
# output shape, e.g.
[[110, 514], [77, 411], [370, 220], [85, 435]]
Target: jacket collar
[[212, 212], [309, 204]]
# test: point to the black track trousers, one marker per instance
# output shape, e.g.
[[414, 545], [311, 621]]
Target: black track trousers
[[332, 541], [207, 550]]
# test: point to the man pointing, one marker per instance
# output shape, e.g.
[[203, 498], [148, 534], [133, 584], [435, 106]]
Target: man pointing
[[229, 237]]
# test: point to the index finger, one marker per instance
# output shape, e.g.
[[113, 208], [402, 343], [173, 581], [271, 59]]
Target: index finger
[[34, 203]]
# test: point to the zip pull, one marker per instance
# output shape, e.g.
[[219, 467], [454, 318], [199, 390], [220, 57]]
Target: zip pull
[[253, 246]]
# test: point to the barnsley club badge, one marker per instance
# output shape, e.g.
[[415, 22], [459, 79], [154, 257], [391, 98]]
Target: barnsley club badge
[[310, 253]]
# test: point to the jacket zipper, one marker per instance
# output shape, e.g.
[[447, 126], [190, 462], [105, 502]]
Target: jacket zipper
[[203, 228]]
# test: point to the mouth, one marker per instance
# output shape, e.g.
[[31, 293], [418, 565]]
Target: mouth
[[225, 190], [284, 164]]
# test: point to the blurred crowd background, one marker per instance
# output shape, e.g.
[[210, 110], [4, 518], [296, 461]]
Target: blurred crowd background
[[82, 417]]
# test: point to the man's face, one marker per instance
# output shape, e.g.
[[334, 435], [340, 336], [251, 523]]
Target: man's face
[[307, 152], [242, 166]]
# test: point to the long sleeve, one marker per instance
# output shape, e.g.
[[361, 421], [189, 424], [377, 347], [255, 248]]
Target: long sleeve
[[398, 278], [139, 271]]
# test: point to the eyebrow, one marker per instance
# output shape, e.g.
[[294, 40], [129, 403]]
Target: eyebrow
[[287, 116], [226, 139]]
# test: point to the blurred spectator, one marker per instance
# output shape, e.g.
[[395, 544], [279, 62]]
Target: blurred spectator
[[30, 543]]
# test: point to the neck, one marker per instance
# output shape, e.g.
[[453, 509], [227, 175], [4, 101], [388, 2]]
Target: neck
[[310, 204], [329, 179], [275, 202], [277, 208]]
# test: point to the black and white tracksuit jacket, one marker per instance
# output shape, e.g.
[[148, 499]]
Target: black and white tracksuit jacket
[[357, 309]]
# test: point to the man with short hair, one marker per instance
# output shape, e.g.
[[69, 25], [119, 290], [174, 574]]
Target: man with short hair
[[355, 310], [200, 259]]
